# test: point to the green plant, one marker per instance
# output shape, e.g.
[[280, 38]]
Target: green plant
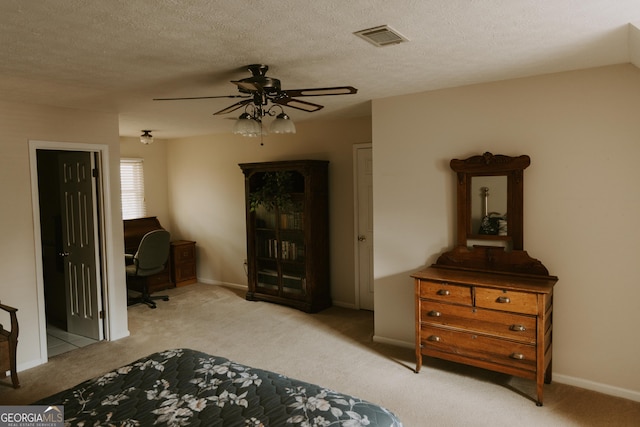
[[273, 192]]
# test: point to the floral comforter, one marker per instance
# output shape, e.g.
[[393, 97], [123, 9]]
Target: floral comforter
[[183, 387]]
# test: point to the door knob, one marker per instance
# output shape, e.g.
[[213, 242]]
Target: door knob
[[362, 238], [64, 254]]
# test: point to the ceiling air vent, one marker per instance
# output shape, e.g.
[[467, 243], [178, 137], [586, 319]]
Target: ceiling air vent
[[381, 36]]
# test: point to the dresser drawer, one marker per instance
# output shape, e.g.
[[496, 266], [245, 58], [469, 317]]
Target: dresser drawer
[[501, 324], [481, 347], [445, 292], [498, 299]]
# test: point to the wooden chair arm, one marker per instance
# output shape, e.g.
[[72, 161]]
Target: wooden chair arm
[[12, 338], [14, 321], [8, 309]]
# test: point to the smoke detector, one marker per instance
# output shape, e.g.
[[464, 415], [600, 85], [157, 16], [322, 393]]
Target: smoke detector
[[381, 36]]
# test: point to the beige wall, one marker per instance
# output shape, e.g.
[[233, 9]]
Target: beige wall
[[206, 195], [20, 123], [581, 204]]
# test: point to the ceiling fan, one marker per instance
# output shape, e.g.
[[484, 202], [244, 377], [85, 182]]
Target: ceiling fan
[[259, 90]]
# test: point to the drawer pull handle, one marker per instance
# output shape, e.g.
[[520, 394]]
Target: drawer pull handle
[[518, 328], [503, 300], [517, 356], [434, 313], [443, 292], [433, 338]]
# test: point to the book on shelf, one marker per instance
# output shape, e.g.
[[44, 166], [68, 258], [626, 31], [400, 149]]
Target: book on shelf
[[291, 221], [285, 249], [285, 220]]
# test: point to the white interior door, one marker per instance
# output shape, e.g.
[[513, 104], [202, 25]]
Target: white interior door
[[77, 192], [364, 225]]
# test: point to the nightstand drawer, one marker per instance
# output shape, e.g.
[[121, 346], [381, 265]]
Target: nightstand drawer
[[517, 327], [445, 292], [186, 252], [498, 299], [183, 262], [184, 272]]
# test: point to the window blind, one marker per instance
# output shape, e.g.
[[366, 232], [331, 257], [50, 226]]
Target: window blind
[[132, 189]]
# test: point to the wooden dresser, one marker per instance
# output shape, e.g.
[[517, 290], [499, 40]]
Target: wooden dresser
[[486, 302], [497, 320], [183, 262]]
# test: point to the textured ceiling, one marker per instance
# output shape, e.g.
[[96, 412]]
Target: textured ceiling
[[117, 55]]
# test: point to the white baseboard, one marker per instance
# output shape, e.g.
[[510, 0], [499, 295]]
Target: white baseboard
[[599, 387], [208, 281], [218, 282], [27, 365], [343, 304], [391, 341], [562, 379], [244, 287]]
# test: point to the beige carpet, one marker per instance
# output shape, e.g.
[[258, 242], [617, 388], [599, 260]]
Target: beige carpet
[[334, 349]]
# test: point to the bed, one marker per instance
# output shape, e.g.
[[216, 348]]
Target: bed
[[182, 387]]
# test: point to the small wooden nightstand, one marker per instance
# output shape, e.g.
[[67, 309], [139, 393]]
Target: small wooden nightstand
[[183, 262]]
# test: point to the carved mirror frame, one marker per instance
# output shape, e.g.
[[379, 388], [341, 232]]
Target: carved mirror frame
[[489, 164]]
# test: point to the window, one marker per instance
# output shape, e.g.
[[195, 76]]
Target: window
[[132, 188]]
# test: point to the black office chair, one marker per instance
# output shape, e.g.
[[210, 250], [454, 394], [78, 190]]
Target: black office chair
[[151, 258]]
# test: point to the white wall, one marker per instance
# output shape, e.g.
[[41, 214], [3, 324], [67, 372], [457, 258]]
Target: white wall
[[20, 123], [581, 204], [206, 195]]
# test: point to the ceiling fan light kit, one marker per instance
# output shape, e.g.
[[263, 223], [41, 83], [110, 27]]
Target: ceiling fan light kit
[[261, 94], [146, 138], [250, 123]]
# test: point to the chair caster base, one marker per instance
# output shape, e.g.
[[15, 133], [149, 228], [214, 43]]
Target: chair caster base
[[147, 300]]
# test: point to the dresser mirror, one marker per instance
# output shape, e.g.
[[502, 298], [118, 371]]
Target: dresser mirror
[[489, 205], [490, 200]]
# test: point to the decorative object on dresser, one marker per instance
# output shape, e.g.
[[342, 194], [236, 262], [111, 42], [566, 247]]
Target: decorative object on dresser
[[183, 262], [486, 302], [287, 233], [9, 346]]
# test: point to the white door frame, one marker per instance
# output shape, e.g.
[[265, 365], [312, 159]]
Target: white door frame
[[102, 226], [356, 246]]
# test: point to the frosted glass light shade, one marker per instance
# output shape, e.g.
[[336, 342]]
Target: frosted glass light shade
[[282, 124], [247, 126]]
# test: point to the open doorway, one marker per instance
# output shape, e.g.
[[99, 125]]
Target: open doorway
[[68, 195]]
